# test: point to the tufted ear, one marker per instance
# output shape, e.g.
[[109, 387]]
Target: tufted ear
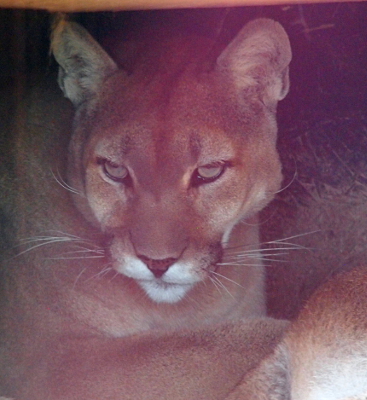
[[83, 64], [257, 61]]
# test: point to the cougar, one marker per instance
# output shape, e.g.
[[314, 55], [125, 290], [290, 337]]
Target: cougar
[[133, 267], [139, 217]]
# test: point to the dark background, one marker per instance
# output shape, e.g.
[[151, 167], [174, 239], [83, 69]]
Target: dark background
[[322, 125]]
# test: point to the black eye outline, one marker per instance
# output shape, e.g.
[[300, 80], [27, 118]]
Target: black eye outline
[[198, 179], [107, 165]]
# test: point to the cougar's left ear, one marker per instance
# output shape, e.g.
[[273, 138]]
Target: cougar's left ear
[[257, 61], [84, 65]]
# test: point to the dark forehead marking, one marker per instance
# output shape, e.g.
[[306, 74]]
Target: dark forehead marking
[[126, 144], [116, 145], [195, 145]]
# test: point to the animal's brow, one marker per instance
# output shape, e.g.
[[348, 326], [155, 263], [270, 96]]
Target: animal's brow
[[126, 144], [195, 145], [115, 147]]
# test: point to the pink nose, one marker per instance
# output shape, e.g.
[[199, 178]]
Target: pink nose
[[158, 267]]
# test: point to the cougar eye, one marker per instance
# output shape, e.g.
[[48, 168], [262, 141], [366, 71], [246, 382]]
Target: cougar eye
[[115, 172], [208, 173]]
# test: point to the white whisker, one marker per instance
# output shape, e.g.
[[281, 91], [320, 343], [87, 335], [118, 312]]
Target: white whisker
[[105, 270], [243, 260], [215, 283], [46, 238], [291, 181], [78, 277], [82, 253], [100, 251], [221, 284], [65, 185], [240, 264], [272, 259], [75, 238], [249, 247], [82, 248], [279, 242], [228, 279], [74, 258], [259, 256], [242, 255], [290, 246], [36, 247], [293, 237], [116, 274]]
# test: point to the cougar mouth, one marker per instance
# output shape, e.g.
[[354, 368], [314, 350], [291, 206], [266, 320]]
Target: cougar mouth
[[166, 280], [174, 285], [164, 292]]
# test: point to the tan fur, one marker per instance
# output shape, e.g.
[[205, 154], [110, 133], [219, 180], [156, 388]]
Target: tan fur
[[95, 258], [324, 353], [328, 343], [203, 364], [322, 356]]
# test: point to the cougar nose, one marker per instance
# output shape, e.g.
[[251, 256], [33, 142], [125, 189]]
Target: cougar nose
[[158, 267]]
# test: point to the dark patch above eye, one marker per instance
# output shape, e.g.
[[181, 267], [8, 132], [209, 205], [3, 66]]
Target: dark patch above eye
[[208, 173]]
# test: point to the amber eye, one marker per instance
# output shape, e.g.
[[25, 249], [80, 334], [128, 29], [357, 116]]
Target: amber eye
[[210, 172], [207, 173], [115, 172]]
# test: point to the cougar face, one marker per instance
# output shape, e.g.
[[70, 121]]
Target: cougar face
[[170, 158]]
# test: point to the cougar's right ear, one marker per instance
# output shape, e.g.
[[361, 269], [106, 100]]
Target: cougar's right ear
[[257, 61], [83, 64]]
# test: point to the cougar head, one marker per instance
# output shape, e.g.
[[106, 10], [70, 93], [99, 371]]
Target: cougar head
[[172, 156]]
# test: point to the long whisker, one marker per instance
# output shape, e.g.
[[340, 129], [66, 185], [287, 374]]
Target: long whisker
[[46, 238], [241, 264], [222, 285], [78, 277], [85, 250], [273, 259], [44, 243], [242, 252], [215, 283], [114, 276], [74, 258], [53, 239], [291, 181], [238, 255], [105, 270], [284, 241], [82, 253], [244, 256], [226, 278], [247, 261], [82, 246], [259, 254], [294, 236], [65, 185], [59, 233]]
